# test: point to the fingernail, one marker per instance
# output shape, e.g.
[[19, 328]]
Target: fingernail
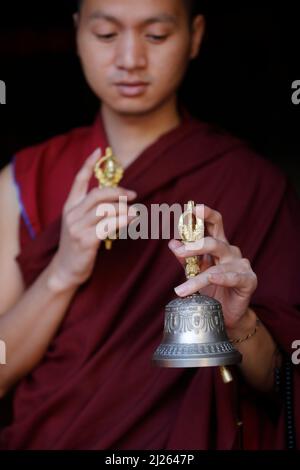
[[131, 193], [180, 290]]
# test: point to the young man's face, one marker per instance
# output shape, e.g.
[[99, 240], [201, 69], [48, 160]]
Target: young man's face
[[135, 52]]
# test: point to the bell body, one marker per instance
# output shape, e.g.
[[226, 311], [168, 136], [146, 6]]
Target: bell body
[[195, 335]]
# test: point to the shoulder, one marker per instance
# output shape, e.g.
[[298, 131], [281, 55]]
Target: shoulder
[[50, 148], [8, 194], [9, 204], [238, 161], [43, 174]]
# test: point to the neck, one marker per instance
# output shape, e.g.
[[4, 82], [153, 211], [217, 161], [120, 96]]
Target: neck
[[130, 135]]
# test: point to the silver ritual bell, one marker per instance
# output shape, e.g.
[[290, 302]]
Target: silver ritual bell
[[194, 330]]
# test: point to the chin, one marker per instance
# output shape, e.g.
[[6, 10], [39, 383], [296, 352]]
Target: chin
[[134, 106]]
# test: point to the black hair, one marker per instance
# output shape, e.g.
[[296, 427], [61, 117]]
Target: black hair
[[193, 7]]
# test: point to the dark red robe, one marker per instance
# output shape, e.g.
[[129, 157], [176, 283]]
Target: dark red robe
[[96, 387]]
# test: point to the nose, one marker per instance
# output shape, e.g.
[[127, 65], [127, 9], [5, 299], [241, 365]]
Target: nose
[[131, 53]]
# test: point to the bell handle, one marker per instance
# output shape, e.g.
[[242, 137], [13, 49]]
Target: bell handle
[[192, 268]]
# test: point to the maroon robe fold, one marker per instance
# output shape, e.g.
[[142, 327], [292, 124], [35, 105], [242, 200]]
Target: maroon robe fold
[[96, 387]]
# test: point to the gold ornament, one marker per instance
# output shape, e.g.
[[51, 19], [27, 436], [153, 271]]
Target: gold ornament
[[109, 173], [189, 232], [108, 170]]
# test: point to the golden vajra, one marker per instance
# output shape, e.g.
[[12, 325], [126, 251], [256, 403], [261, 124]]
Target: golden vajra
[[109, 173], [190, 232]]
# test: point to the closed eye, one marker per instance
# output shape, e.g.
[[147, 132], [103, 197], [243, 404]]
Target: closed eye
[[106, 37], [157, 38]]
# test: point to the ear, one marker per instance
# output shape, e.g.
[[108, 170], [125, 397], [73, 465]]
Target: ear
[[198, 30], [76, 25], [76, 20]]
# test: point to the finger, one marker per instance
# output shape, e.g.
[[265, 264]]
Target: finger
[[226, 275], [107, 210], [81, 181], [113, 210], [104, 211], [105, 195], [244, 282], [213, 221], [211, 246], [107, 228], [174, 245], [205, 261]]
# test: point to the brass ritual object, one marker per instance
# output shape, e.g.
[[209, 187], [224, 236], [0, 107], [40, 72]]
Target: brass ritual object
[[109, 173], [194, 329]]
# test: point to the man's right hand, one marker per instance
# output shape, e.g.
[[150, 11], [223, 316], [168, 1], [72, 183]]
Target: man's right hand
[[74, 261]]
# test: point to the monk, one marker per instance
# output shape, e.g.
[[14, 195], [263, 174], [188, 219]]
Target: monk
[[81, 323]]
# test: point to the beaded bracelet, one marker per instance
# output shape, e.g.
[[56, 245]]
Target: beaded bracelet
[[250, 335]]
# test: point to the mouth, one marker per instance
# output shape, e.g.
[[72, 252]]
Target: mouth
[[132, 89]]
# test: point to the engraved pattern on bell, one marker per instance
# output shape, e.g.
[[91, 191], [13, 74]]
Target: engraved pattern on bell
[[194, 349], [195, 335], [194, 313]]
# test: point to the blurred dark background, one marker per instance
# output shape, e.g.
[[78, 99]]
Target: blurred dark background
[[242, 80]]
